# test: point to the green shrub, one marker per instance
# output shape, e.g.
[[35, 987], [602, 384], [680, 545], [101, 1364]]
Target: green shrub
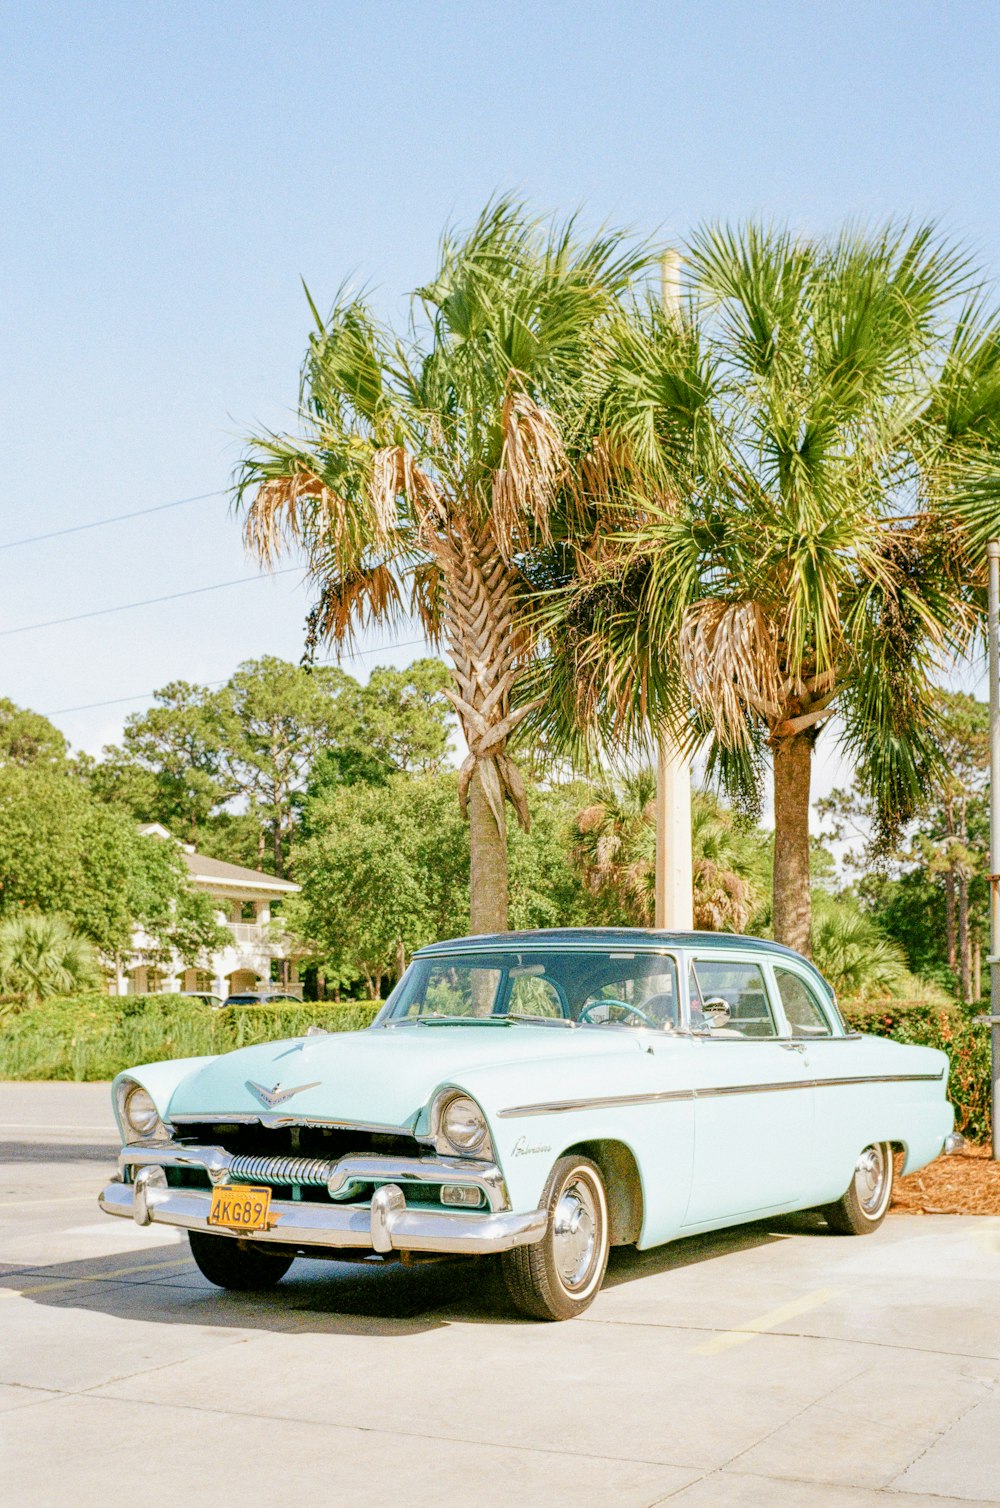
[[95, 1036], [949, 1028]]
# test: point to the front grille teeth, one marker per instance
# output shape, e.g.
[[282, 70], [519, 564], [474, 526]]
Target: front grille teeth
[[313, 1171]]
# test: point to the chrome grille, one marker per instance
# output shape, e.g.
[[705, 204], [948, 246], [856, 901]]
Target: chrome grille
[[280, 1170]]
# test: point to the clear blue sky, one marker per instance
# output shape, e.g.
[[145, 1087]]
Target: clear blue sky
[[169, 172]]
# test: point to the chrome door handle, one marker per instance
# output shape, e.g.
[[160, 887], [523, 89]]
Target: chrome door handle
[[794, 1046]]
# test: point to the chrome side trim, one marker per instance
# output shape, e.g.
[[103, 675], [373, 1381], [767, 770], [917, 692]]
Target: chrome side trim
[[885, 1078], [715, 1090], [339, 1227], [341, 1176], [555, 1107]]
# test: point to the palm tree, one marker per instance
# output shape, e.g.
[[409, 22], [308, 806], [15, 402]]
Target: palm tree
[[429, 470], [42, 955], [818, 434], [615, 850], [854, 955]]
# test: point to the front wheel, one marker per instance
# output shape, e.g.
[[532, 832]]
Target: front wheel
[[863, 1207], [559, 1276], [230, 1263]]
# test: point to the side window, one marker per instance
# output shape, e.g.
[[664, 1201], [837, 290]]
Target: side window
[[532, 996], [805, 1016], [733, 997]]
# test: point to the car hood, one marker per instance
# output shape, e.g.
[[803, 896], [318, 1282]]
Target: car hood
[[378, 1077]]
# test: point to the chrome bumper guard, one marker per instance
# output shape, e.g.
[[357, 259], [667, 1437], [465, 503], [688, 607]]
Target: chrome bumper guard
[[388, 1224]]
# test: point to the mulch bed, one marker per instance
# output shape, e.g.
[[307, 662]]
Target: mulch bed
[[966, 1184]]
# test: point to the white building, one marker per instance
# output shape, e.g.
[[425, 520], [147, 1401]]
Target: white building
[[259, 953]]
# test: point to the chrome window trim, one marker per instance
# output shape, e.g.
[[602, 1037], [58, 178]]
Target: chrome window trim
[[762, 964], [542, 947], [834, 1025], [555, 1107], [677, 955]]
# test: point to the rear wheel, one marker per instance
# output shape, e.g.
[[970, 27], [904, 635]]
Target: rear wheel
[[863, 1207], [559, 1276], [236, 1264]]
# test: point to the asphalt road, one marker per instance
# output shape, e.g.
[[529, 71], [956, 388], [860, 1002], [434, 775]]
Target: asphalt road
[[774, 1364]]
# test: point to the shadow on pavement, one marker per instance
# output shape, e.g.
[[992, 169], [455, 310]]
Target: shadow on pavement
[[379, 1299], [59, 1152]]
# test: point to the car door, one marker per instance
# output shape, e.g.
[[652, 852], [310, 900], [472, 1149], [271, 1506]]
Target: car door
[[753, 1098], [837, 1064]]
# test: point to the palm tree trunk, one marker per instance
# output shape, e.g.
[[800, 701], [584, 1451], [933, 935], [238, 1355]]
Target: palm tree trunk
[[488, 867], [792, 910]]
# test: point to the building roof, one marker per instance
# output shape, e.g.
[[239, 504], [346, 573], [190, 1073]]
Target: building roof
[[215, 872], [218, 875]]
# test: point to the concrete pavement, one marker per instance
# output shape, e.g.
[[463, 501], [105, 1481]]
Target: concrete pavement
[[772, 1364]]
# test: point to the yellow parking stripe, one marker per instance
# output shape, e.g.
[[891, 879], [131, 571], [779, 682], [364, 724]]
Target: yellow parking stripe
[[99, 1277], [764, 1322]]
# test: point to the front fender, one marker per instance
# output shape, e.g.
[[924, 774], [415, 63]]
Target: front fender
[[159, 1080], [659, 1136]]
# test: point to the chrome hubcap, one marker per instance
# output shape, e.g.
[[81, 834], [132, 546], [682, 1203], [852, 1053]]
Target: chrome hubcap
[[574, 1233], [870, 1175]]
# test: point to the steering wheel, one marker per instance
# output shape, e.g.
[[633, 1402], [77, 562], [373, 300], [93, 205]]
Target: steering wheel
[[623, 1005]]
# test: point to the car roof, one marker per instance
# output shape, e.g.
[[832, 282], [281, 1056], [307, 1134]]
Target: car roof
[[636, 937]]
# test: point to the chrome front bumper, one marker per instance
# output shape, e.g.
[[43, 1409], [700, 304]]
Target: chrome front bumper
[[387, 1224], [342, 1176]]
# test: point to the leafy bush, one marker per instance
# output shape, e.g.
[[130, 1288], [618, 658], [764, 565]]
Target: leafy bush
[[95, 1036], [949, 1028]]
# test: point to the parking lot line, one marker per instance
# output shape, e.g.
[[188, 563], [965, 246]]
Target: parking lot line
[[98, 1277], [764, 1322]]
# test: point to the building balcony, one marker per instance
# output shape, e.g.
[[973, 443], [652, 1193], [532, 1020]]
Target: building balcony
[[248, 932], [263, 937]]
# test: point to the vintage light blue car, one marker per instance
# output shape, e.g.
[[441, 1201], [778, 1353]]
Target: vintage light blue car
[[542, 1095]]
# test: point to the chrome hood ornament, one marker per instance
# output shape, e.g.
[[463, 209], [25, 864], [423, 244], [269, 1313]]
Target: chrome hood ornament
[[277, 1096]]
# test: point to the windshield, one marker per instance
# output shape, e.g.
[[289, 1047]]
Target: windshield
[[593, 987]]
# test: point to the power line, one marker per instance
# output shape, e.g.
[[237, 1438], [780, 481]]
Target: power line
[[139, 696], [126, 607], [101, 523]]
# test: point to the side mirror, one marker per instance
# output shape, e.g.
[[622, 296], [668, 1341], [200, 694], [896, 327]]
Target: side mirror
[[718, 1011]]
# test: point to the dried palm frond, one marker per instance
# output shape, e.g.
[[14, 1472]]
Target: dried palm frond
[[273, 518], [356, 599], [395, 472], [729, 656], [427, 597], [533, 465]]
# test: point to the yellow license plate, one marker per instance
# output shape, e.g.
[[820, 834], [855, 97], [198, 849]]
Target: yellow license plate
[[240, 1208]]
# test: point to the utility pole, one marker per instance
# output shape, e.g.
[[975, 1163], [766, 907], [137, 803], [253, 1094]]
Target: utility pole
[[674, 881], [993, 556]]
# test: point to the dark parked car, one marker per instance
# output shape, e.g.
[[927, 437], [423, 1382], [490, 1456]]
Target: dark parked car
[[261, 997]]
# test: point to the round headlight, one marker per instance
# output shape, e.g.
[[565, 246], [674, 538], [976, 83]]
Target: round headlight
[[139, 1112], [464, 1125]]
